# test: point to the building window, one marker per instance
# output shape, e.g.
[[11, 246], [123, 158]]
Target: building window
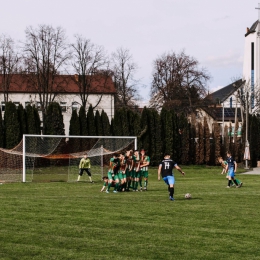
[[74, 106], [230, 100], [27, 104], [17, 104], [3, 106], [39, 106], [63, 106]]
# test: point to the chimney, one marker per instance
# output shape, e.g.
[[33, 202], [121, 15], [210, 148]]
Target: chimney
[[247, 29]]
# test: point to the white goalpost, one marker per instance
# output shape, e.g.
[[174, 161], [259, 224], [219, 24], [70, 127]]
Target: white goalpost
[[46, 158]]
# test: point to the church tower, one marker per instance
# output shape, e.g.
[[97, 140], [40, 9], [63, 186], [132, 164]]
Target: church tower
[[251, 66]]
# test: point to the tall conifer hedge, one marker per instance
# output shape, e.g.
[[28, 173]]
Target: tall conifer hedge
[[11, 126]]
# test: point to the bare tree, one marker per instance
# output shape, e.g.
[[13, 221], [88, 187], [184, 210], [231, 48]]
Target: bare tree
[[178, 82], [45, 54], [123, 69], [91, 66], [9, 64]]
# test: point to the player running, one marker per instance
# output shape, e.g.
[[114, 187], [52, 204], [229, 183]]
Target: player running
[[231, 167], [224, 171]]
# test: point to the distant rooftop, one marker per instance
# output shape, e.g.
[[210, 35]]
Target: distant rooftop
[[222, 94], [229, 113]]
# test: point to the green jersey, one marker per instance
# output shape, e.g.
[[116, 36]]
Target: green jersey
[[114, 165], [145, 159], [136, 162], [224, 164]]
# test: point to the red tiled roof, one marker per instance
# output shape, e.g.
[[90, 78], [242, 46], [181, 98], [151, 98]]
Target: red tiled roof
[[63, 84]]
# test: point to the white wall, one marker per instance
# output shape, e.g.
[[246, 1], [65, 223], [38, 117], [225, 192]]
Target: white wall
[[255, 38], [247, 56], [107, 104], [235, 101]]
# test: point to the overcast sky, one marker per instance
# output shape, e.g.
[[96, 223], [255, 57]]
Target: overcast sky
[[212, 31]]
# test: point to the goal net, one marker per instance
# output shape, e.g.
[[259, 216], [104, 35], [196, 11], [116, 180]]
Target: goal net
[[45, 158]]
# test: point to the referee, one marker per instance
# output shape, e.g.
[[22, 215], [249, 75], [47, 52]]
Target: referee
[[166, 171]]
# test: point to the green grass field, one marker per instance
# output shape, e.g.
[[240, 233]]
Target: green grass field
[[60, 220]]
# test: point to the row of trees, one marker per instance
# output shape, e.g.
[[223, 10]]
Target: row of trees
[[188, 142], [45, 54]]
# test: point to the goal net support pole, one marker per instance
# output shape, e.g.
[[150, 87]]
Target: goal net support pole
[[24, 153]]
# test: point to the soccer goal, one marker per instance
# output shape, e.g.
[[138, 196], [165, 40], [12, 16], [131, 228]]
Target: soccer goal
[[45, 158]]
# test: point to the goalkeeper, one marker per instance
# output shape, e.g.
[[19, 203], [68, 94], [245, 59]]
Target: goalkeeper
[[85, 165]]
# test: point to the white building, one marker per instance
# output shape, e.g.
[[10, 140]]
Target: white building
[[251, 65], [230, 101], [101, 91]]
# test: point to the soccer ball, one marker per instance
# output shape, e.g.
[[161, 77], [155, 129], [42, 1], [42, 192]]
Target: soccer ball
[[187, 196]]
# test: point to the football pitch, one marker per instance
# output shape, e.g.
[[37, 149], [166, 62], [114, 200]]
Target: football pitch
[[59, 220]]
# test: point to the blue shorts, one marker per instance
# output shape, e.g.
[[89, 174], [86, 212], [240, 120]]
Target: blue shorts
[[231, 173], [169, 180]]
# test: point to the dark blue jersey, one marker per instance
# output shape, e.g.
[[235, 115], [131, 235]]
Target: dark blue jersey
[[167, 167], [231, 162]]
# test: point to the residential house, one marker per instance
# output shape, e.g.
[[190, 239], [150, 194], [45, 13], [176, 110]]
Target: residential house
[[224, 106], [65, 90]]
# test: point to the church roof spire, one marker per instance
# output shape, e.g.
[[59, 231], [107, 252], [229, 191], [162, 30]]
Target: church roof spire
[[258, 12]]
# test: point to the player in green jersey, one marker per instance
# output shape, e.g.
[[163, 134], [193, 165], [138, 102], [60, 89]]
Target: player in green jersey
[[105, 184], [85, 165], [122, 172], [129, 168], [137, 171], [112, 174], [144, 163]]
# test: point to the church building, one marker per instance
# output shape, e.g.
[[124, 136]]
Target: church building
[[251, 66], [226, 105]]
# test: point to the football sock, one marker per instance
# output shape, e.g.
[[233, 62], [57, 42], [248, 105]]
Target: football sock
[[116, 186], [171, 192], [108, 186], [78, 177], [229, 182], [140, 183], [90, 179], [235, 181], [128, 184], [238, 181]]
